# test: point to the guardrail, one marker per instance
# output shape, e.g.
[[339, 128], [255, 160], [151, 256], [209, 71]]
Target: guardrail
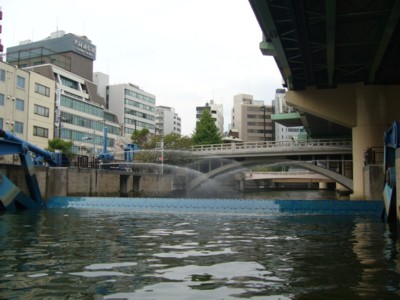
[[274, 146]]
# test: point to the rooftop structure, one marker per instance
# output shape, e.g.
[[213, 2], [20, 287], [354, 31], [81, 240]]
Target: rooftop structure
[[68, 51]]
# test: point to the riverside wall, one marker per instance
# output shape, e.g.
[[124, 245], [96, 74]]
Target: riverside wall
[[71, 182], [92, 182]]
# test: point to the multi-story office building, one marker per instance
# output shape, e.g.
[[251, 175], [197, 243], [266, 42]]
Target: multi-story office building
[[80, 113], [282, 132], [26, 104], [70, 52], [252, 119], [217, 113], [167, 120], [135, 107]]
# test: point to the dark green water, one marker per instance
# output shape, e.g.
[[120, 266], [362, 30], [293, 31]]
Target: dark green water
[[97, 254]]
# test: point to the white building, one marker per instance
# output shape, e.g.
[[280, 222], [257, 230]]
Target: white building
[[283, 133], [251, 118], [217, 113], [167, 120], [80, 113], [135, 108]]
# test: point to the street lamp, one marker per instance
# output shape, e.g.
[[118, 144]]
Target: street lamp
[[263, 108]]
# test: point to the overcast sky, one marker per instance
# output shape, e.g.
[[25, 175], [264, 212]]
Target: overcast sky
[[185, 52]]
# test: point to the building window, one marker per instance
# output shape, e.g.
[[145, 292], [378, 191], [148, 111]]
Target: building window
[[81, 106], [1, 99], [20, 82], [1, 123], [2, 75], [18, 127], [19, 104], [40, 131], [41, 89], [41, 110], [139, 96], [69, 83]]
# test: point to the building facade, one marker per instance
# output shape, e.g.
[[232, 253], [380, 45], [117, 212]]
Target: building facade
[[80, 113], [77, 112], [26, 104], [167, 120], [135, 107], [252, 119], [217, 113]]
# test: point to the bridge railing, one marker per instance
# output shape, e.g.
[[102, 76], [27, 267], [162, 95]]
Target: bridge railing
[[273, 145]]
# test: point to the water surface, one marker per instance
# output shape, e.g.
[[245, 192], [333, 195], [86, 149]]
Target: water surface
[[98, 254]]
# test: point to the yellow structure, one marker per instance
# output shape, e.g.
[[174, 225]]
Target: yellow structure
[[26, 104]]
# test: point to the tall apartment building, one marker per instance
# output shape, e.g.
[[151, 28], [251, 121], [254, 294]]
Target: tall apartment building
[[284, 133], [26, 104], [252, 119], [167, 120], [217, 113], [135, 107]]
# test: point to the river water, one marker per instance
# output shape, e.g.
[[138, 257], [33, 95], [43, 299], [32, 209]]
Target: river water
[[83, 253]]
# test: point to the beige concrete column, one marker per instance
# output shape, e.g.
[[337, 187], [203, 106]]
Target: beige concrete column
[[368, 109], [371, 123], [322, 185]]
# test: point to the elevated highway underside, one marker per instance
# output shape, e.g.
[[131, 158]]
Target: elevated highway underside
[[340, 61]]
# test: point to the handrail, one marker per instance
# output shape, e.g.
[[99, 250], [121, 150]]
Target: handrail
[[273, 145]]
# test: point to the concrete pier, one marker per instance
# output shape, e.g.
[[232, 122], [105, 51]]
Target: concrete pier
[[367, 109]]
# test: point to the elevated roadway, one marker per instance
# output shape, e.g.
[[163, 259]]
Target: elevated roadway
[[340, 61]]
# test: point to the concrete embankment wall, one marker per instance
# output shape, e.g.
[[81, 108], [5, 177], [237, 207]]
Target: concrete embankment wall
[[90, 182], [105, 183]]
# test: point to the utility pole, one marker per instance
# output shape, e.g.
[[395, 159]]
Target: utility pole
[[263, 108]]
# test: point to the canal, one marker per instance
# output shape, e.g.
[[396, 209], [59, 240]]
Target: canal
[[84, 253]]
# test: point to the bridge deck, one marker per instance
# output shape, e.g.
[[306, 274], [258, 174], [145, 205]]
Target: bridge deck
[[271, 148]]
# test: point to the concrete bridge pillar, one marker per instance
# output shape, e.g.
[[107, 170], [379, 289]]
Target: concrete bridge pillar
[[368, 110], [322, 185], [371, 123]]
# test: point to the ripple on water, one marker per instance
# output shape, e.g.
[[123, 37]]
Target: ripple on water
[[194, 253], [219, 281]]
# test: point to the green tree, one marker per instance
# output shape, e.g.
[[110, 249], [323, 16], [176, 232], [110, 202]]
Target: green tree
[[173, 146], [59, 144], [206, 131], [140, 137], [171, 141], [177, 142]]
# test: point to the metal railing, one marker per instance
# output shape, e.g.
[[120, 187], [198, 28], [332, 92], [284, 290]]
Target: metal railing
[[373, 155]]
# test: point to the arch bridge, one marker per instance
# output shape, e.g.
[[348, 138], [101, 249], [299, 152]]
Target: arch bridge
[[329, 157]]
